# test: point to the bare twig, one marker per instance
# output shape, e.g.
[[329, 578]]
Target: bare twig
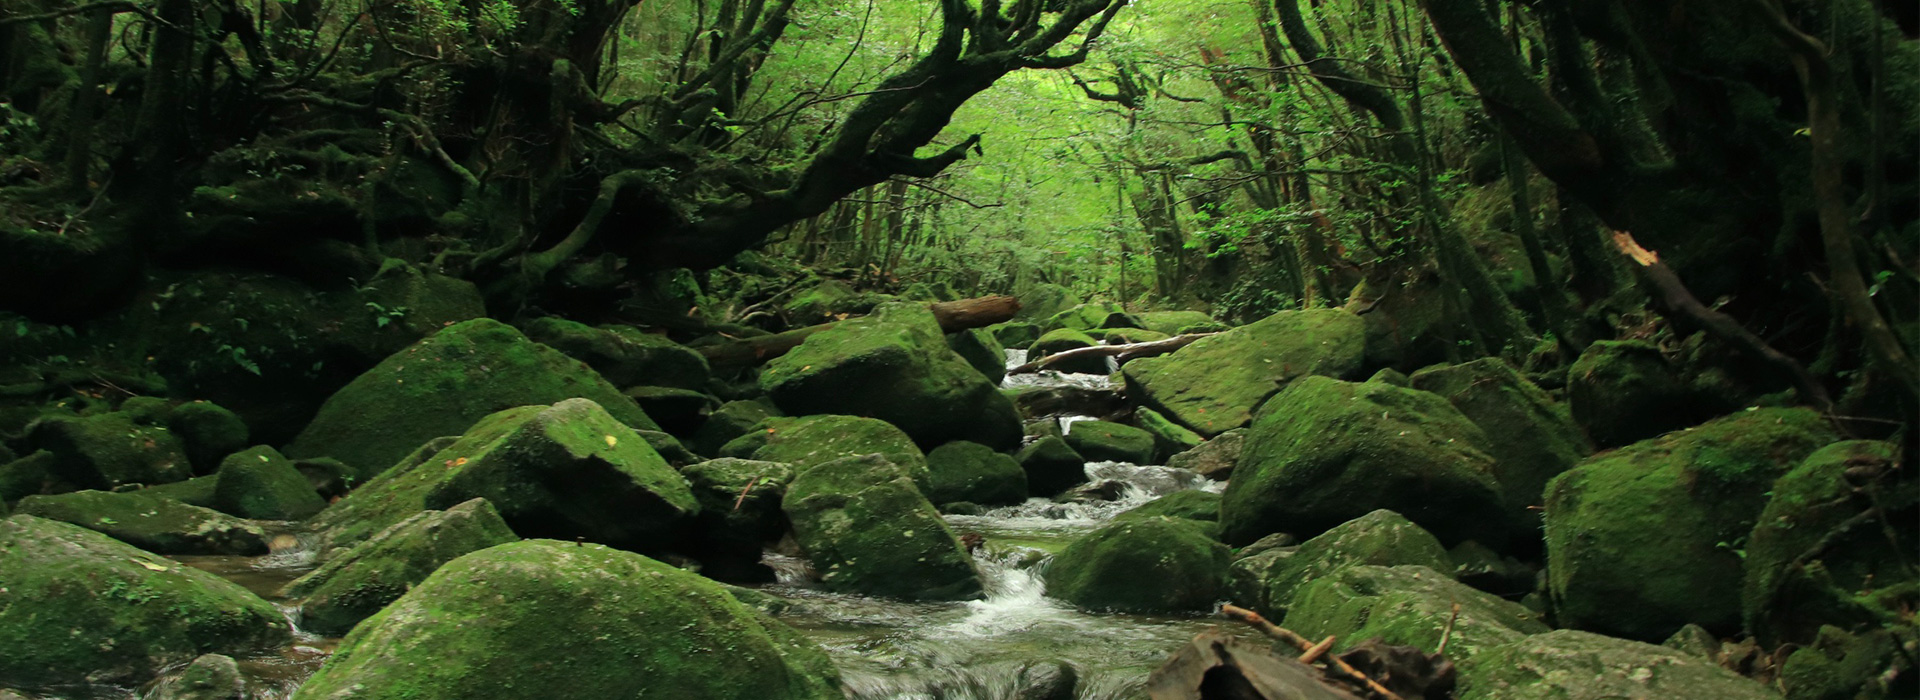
[[1286, 635], [1447, 634]]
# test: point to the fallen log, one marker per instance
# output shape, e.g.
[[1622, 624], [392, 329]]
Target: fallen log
[[1119, 353], [953, 316]]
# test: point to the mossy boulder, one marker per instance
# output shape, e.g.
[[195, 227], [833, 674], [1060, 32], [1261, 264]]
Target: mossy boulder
[[967, 471], [731, 420], [1086, 317], [1141, 565], [1214, 384], [1015, 334], [1176, 322], [1575, 665], [895, 366], [1061, 340], [81, 607], [1043, 300], [1169, 438], [1410, 605], [1537, 438], [209, 677], [209, 432], [566, 471], [1623, 391], [828, 301], [1101, 441], [158, 525], [1126, 336], [678, 411], [533, 617], [739, 514], [109, 450], [30, 475], [1324, 452], [260, 484], [1642, 540], [982, 351], [868, 529], [197, 491], [1380, 538], [1052, 466], [1838, 665], [1214, 459], [811, 440], [1786, 598], [624, 355], [443, 385], [353, 586]]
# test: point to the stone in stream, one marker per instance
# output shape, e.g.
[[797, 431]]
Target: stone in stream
[[1640, 540], [1214, 459], [158, 525], [1575, 665], [1411, 605], [1267, 581], [894, 366], [625, 355], [83, 608], [966, 471], [260, 484], [811, 440], [352, 587], [542, 618], [1215, 384], [1101, 441], [570, 470], [109, 450], [1535, 436], [731, 420], [1052, 466], [1324, 451], [981, 350], [1141, 565], [1064, 339], [210, 677], [739, 514], [868, 529], [443, 385], [1169, 438]]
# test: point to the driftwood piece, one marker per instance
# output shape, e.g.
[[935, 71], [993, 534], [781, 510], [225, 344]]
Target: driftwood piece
[[1216, 667], [1304, 645], [1119, 353], [951, 315]]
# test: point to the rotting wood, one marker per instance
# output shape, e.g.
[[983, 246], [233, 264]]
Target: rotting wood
[[952, 316], [1120, 353], [1286, 635]]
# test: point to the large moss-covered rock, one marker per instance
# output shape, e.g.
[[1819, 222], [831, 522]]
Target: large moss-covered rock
[[158, 525], [352, 587], [1325, 451], [623, 355], [1101, 441], [210, 677], [1838, 665], [972, 472], [828, 301], [209, 432], [1141, 565], [1176, 322], [539, 618], [80, 607], [867, 529], [1214, 459], [1624, 390], [570, 470], [1411, 605], [110, 450], [1380, 538], [1169, 438], [1574, 665], [197, 491], [261, 484], [1536, 436], [810, 440], [731, 420], [1214, 385], [1787, 598], [1086, 317], [29, 475], [1015, 334], [1052, 466], [444, 384], [981, 350], [895, 366], [739, 514], [1641, 540]]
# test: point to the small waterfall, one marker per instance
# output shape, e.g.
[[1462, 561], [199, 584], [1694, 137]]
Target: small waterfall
[[1050, 378]]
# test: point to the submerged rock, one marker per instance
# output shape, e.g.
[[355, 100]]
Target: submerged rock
[[867, 529], [352, 587], [158, 525], [82, 608], [967, 471], [1574, 665], [261, 484], [540, 618], [1214, 385], [1141, 565], [1411, 605]]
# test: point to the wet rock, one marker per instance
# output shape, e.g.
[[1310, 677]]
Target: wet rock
[[812, 440], [1640, 539], [895, 366], [209, 432], [1064, 400], [1062, 340], [1101, 441], [678, 411], [210, 677], [1047, 680], [966, 471], [1853, 573], [1578, 665], [1325, 451], [1176, 322], [1169, 438], [353, 586], [110, 450], [1052, 466], [1015, 334], [1537, 438], [1624, 391], [1380, 538], [260, 484], [731, 420], [868, 529], [1102, 491], [981, 350], [567, 471], [1086, 317], [1213, 385], [624, 355], [1214, 459], [81, 607], [158, 525], [1199, 506], [739, 513], [1411, 605], [1141, 565], [603, 623], [443, 385]]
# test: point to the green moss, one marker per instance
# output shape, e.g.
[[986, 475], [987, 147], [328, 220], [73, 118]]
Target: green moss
[[352, 587], [1086, 317], [1380, 538], [623, 354], [1015, 334], [1061, 340], [1101, 441], [966, 471], [1571, 665], [1169, 438], [158, 525], [260, 484], [1052, 466], [1215, 384], [1176, 322], [1411, 605], [1537, 438], [811, 440], [1043, 300], [209, 431], [731, 420], [981, 350], [535, 616], [1141, 565], [868, 530], [111, 450], [1623, 391]]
